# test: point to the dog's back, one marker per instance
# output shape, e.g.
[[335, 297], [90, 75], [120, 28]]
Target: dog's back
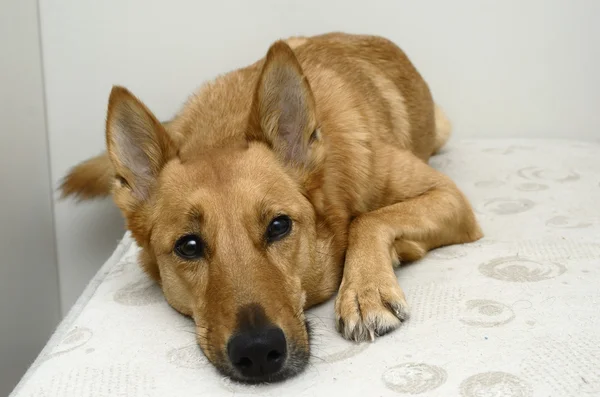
[[372, 78]]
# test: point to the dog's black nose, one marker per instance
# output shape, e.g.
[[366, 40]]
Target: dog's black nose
[[258, 353]]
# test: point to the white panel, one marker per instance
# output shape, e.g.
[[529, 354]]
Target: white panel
[[29, 302], [500, 69]]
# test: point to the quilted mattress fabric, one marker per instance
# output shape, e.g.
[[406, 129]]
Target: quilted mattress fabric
[[516, 314]]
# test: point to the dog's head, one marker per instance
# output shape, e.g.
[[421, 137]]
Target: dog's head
[[228, 231]]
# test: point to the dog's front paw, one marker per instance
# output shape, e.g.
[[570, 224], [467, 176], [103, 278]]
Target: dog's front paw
[[366, 309]]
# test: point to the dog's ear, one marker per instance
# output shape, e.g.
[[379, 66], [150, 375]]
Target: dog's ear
[[284, 106], [138, 144]]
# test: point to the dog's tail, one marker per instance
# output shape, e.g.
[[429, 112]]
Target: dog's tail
[[443, 129], [90, 179]]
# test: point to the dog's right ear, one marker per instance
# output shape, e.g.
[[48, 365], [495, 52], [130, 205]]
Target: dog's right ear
[[138, 144]]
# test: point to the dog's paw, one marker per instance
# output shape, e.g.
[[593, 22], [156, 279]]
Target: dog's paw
[[365, 310]]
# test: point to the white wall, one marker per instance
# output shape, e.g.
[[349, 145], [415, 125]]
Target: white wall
[[29, 302], [500, 68]]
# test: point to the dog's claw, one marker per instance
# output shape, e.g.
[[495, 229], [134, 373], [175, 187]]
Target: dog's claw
[[372, 335]]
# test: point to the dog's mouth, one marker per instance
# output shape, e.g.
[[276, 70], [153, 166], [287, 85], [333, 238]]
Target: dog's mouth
[[258, 358]]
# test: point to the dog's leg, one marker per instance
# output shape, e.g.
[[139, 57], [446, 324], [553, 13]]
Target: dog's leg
[[431, 212]]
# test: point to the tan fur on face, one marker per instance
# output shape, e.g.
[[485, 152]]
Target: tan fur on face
[[231, 208], [333, 131]]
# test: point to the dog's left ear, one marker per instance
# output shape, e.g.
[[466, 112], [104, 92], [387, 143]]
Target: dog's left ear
[[284, 107]]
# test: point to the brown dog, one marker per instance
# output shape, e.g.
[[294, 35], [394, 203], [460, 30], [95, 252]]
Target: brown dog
[[278, 185]]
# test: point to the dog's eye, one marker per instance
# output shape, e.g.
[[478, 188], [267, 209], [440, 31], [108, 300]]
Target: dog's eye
[[279, 228], [189, 247]]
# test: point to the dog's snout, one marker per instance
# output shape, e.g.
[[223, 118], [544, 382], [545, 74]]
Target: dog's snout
[[258, 353]]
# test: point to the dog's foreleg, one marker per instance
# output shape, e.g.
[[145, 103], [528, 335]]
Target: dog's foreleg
[[370, 302]]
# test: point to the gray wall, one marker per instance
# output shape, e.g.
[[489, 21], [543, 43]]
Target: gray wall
[[29, 292]]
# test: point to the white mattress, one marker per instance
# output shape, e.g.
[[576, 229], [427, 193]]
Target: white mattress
[[515, 314]]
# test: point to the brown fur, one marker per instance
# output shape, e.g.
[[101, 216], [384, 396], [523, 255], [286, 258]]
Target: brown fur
[[333, 131], [91, 179]]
